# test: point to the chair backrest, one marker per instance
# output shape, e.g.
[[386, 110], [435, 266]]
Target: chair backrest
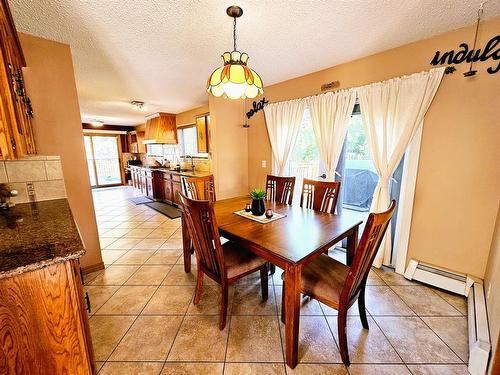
[[320, 195], [202, 226], [280, 189], [199, 188], [374, 231]]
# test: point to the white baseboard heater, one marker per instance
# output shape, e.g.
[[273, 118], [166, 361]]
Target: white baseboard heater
[[477, 319]]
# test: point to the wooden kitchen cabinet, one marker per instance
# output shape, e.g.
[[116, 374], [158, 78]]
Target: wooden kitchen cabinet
[[167, 187], [202, 133], [176, 187], [16, 130], [161, 128]]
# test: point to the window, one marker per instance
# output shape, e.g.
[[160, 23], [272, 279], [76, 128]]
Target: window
[[188, 140]]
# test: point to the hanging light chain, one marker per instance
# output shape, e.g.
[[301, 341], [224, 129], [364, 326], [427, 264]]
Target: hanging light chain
[[234, 33]]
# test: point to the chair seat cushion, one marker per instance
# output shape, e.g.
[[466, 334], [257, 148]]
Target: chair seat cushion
[[324, 278], [239, 260]]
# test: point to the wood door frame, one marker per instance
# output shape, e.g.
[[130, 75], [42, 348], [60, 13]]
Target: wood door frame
[[118, 150]]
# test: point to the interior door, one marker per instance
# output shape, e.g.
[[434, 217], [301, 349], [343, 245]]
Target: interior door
[[103, 159]]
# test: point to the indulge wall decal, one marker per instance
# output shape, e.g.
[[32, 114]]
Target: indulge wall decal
[[491, 51]]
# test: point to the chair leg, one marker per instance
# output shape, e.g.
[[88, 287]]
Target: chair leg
[[272, 269], [199, 287], [223, 306], [264, 282], [342, 330], [283, 303], [362, 309]]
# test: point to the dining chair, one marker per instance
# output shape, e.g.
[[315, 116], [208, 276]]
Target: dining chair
[[320, 195], [280, 189], [199, 188], [225, 264], [338, 285]]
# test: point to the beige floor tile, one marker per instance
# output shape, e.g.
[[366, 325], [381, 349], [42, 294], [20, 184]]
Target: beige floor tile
[[138, 233], [170, 224], [108, 224], [382, 300], [150, 244], [372, 369], [109, 256], [149, 275], [254, 369], [98, 366], [193, 369], [453, 331], [414, 341], [165, 257], [135, 257], [88, 277], [254, 339], [210, 301], [127, 225], [177, 234], [98, 295], [105, 242], [248, 300], [114, 275], [438, 369], [128, 300], [116, 232], [393, 278], [327, 310], [147, 225], [374, 279], [316, 343], [308, 306], [317, 369], [163, 233], [366, 346], [131, 368], [149, 339], [170, 300], [424, 301], [199, 339], [123, 244], [177, 276], [172, 243], [106, 332], [457, 301], [180, 261]]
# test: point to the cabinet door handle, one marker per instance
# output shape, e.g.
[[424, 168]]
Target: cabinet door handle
[[87, 300]]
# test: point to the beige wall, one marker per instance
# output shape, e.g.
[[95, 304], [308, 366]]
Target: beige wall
[[492, 289], [458, 180], [188, 117], [50, 82]]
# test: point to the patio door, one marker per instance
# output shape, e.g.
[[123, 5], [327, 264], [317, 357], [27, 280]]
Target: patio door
[[103, 160]]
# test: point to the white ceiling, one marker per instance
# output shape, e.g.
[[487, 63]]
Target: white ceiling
[[162, 52]]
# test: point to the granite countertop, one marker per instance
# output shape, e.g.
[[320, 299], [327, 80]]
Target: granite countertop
[[172, 171], [36, 235]]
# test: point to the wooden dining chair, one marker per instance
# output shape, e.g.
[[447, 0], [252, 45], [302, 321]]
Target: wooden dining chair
[[199, 188], [320, 195], [225, 264], [338, 285], [280, 189]]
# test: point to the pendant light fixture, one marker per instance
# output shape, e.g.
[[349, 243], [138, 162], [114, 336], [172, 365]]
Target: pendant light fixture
[[234, 80]]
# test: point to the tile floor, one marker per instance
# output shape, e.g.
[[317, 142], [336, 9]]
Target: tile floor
[[143, 320]]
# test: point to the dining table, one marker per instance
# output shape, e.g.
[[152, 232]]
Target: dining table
[[290, 243]]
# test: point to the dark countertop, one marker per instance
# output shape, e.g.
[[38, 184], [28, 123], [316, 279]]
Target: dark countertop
[[36, 235], [182, 173]]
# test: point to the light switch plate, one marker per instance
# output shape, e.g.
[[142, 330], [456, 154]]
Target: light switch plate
[[264, 163]]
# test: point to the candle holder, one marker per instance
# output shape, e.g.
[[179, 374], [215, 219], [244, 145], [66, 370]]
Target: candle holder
[[269, 213], [248, 207]]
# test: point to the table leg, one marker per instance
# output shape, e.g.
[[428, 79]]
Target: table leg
[[352, 244], [186, 246], [292, 314]]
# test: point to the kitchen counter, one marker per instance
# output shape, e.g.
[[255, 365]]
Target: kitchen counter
[[172, 171], [36, 235]]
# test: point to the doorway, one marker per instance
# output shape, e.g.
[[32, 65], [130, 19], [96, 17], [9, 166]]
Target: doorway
[[103, 160]]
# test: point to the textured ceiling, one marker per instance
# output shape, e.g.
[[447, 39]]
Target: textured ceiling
[[162, 52]]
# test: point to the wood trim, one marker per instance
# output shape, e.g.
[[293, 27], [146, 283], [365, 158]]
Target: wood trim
[[92, 268], [12, 24]]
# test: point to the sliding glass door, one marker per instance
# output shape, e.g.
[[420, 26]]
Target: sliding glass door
[[103, 160]]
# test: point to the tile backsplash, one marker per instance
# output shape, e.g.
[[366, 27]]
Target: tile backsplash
[[36, 178]]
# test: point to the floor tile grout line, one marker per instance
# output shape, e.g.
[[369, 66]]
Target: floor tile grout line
[[389, 341]]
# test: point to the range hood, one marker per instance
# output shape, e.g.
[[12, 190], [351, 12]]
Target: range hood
[[160, 129]]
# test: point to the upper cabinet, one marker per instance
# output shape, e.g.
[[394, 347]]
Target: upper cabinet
[[161, 128], [202, 124], [16, 131]]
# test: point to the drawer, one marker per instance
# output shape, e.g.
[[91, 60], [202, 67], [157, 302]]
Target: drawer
[[176, 177]]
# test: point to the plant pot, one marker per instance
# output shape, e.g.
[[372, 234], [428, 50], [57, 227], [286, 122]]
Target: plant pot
[[258, 207]]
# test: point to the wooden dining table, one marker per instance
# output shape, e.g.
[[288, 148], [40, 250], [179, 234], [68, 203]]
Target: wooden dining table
[[290, 243]]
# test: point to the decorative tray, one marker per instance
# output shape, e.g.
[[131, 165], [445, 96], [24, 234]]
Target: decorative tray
[[260, 219]]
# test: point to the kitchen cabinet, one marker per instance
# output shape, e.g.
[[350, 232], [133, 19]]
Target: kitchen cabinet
[[202, 133], [135, 142], [16, 130], [176, 187], [167, 187], [161, 128]]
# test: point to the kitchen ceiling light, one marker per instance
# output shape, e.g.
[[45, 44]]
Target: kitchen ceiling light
[[235, 80], [97, 123]]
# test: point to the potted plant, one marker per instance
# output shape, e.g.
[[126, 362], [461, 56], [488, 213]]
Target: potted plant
[[258, 205]]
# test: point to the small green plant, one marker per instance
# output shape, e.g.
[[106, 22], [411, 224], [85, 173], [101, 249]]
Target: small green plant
[[258, 194]]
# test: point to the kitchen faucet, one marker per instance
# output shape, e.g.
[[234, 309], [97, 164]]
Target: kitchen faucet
[[192, 161]]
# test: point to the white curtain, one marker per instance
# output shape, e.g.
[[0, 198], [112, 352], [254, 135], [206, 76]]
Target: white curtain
[[392, 112], [283, 121], [330, 114]]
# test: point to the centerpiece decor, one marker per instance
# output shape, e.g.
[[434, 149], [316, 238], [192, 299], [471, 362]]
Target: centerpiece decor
[[234, 79], [258, 204]]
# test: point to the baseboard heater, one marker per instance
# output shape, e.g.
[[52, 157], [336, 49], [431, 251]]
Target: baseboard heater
[[477, 319]]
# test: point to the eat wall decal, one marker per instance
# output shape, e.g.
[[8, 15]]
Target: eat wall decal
[[257, 107], [463, 54]]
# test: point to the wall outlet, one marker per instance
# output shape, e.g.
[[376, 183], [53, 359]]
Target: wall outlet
[[264, 163]]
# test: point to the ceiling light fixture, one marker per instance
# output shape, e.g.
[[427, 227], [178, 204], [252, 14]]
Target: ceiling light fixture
[[97, 123], [138, 104], [235, 80]]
